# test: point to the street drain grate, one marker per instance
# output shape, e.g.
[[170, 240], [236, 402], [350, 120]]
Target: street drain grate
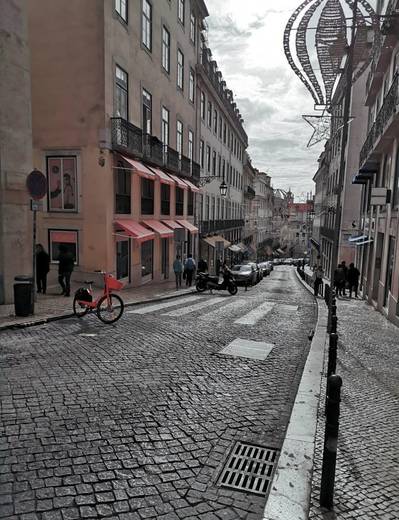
[[249, 468]]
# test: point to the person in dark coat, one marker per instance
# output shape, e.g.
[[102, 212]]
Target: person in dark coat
[[42, 268], [353, 279], [65, 268], [345, 270], [339, 280], [202, 266]]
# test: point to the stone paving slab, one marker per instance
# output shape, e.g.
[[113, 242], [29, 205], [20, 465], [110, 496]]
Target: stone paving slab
[[367, 473]]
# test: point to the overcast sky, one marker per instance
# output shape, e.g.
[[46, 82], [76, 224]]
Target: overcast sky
[[247, 43]]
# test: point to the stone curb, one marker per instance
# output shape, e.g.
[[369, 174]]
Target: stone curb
[[42, 321], [290, 493]]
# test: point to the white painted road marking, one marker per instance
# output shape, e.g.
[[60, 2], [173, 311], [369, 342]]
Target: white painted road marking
[[216, 315], [247, 348], [193, 308], [164, 305], [255, 315]]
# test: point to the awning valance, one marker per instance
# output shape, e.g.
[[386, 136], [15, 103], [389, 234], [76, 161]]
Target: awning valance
[[181, 184], [355, 239], [135, 230], [192, 186], [212, 241], [139, 168], [190, 227], [235, 248], [315, 244], [163, 177], [172, 224], [242, 246], [363, 242], [158, 227]]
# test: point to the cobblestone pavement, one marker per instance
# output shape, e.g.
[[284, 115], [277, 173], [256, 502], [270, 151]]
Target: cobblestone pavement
[[367, 474], [135, 421]]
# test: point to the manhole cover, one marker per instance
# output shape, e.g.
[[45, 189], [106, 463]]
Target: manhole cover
[[249, 468]]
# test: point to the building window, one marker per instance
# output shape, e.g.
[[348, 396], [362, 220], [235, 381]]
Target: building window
[[121, 9], [207, 207], [192, 86], [215, 121], [147, 257], [180, 69], [180, 10], [62, 183], [219, 165], [122, 93], [214, 162], [147, 25], [122, 190], [208, 158], [147, 112], [165, 49], [220, 127], [165, 199], [179, 137], [147, 196], [202, 153], [66, 238], [122, 259], [190, 203], [192, 27], [224, 133], [179, 201], [202, 106], [165, 126], [209, 114], [190, 145]]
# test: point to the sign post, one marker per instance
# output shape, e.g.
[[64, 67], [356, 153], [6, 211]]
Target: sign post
[[36, 184]]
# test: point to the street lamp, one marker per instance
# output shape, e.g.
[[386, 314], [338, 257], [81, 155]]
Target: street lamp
[[223, 189]]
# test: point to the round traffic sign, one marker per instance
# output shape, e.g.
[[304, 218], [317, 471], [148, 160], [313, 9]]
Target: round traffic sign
[[36, 183]]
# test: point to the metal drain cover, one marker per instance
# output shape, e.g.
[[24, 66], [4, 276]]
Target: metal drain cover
[[249, 468]]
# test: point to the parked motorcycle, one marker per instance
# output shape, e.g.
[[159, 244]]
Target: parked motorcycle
[[205, 281]]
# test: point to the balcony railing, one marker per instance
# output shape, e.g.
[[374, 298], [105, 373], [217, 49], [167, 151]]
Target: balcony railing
[[210, 226], [127, 137], [250, 192], [387, 110]]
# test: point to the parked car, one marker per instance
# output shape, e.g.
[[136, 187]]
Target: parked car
[[266, 268], [259, 273], [244, 274]]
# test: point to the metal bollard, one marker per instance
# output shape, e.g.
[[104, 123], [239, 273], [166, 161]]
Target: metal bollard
[[334, 322], [330, 442], [333, 309], [332, 354]]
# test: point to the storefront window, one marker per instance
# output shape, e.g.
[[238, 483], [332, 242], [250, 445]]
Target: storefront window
[[147, 257], [69, 239], [147, 197], [165, 199], [122, 259], [190, 206], [179, 201], [62, 183]]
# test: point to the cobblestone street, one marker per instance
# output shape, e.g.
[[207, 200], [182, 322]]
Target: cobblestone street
[[367, 474], [136, 420]]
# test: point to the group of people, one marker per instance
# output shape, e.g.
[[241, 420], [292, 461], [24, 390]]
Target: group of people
[[186, 269], [344, 278], [66, 265]]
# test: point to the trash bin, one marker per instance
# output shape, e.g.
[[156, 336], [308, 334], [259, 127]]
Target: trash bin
[[23, 295]]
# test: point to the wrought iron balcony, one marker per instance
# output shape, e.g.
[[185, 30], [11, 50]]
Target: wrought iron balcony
[[211, 226], [327, 232], [388, 109], [249, 192], [127, 137]]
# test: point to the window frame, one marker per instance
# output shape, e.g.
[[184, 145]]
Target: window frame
[[208, 158], [191, 89], [179, 137], [123, 86], [146, 23], [124, 18], [181, 11], [146, 108], [165, 123], [193, 27], [62, 157], [190, 144], [165, 51], [127, 193], [180, 70], [203, 105], [179, 201], [144, 182], [165, 201], [209, 114], [202, 153], [50, 242]]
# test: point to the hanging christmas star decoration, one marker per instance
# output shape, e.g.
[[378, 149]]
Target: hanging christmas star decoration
[[323, 125]]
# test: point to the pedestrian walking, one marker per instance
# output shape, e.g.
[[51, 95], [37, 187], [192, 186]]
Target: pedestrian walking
[[189, 268], [345, 282], [178, 270], [42, 268], [353, 279], [339, 280], [202, 266], [318, 279], [66, 265]]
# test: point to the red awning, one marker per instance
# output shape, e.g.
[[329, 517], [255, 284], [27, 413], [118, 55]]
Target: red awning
[[163, 177], [172, 224], [139, 167], [135, 230], [188, 226], [179, 182], [159, 228], [192, 186]]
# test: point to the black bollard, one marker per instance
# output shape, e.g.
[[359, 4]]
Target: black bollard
[[332, 354], [333, 310], [330, 442], [334, 322]]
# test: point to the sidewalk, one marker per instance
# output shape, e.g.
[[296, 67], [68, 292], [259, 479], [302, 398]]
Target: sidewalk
[[53, 306], [367, 472]]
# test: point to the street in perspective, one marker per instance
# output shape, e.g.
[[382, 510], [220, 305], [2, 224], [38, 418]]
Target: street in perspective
[[199, 259]]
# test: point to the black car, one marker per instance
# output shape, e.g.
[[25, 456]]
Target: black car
[[245, 274]]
